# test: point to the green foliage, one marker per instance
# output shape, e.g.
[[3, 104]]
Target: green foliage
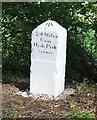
[[85, 106], [80, 114], [19, 19], [4, 117], [18, 79], [11, 114]]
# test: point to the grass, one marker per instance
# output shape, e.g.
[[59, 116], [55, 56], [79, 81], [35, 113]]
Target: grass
[[80, 114]]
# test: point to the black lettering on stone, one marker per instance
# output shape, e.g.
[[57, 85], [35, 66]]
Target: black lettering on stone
[[41, 33], [51, 34], [41, 39], [35, 44], [56, 36], [46, 34], [42, 45], [48, 46], [54, 47], [47, 41]]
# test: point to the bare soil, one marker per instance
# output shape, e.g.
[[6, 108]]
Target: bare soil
[[15, 106]]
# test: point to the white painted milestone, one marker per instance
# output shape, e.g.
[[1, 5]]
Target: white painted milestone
[[48, 59]]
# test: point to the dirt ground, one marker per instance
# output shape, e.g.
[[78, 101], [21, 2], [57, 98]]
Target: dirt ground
[[15, 106]]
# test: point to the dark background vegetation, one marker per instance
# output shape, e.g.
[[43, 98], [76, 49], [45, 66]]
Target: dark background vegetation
[[80, 20]]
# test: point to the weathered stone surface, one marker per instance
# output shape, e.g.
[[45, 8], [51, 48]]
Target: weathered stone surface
[[48, 59]]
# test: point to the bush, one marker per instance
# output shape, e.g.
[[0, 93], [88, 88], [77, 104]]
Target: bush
[[19, 19]]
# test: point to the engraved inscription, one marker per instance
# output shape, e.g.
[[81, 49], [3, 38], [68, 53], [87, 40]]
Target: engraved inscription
[[45, 44], [45, 34]]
